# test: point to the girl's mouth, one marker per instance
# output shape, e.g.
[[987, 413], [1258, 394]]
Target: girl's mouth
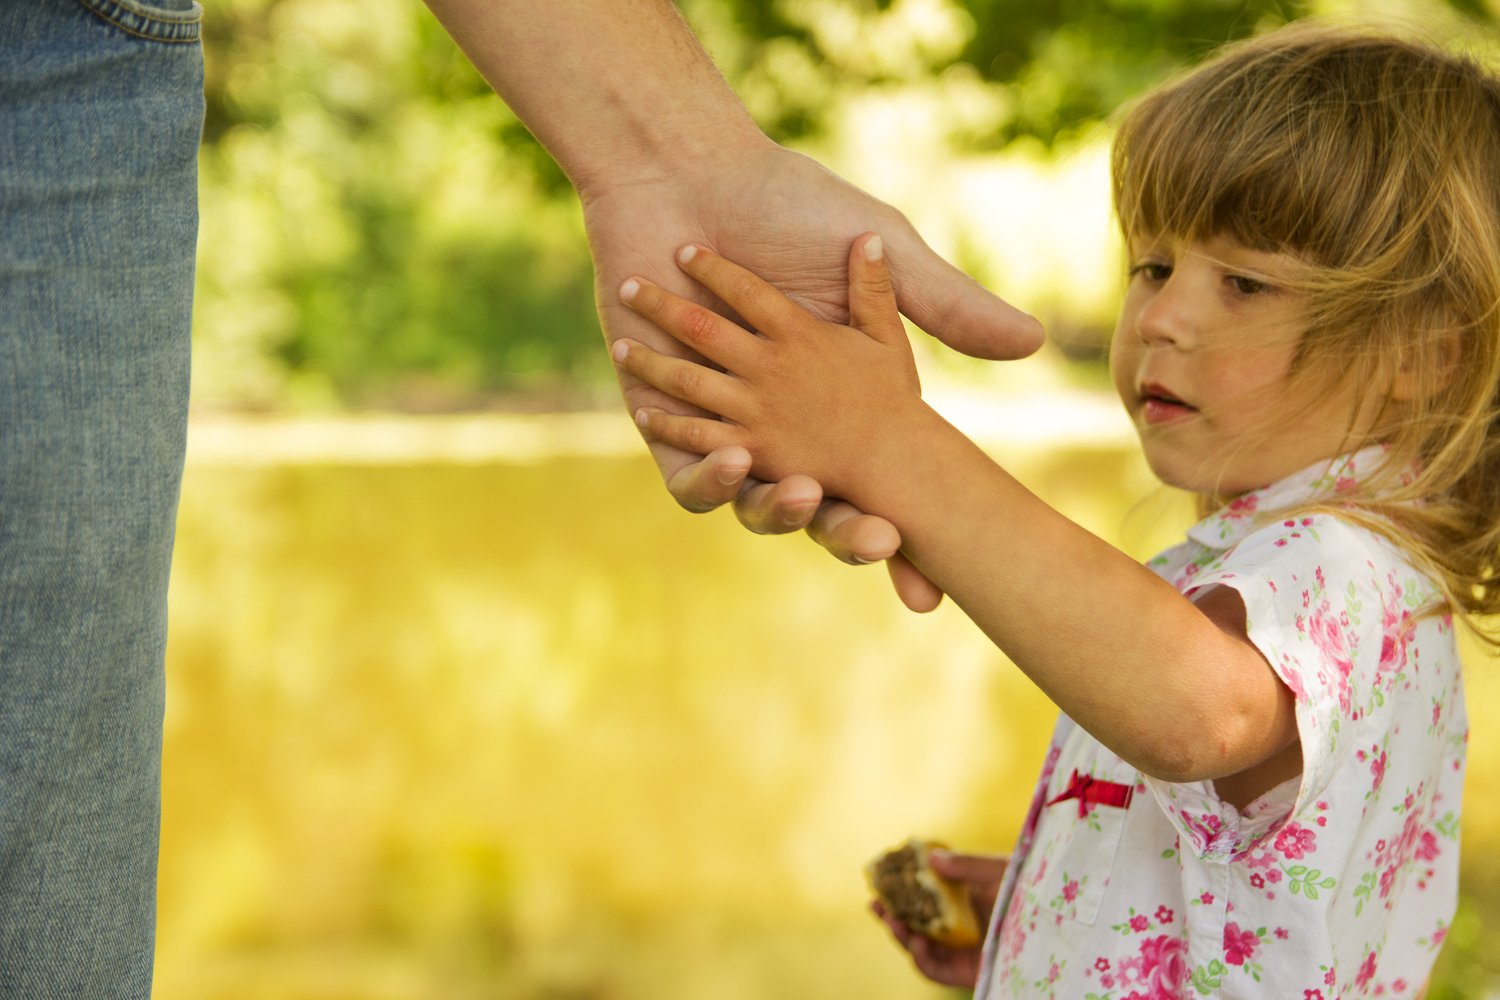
[[1159, 406]]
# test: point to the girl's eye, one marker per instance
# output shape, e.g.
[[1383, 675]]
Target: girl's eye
[[1152, 270], [1247, 286]]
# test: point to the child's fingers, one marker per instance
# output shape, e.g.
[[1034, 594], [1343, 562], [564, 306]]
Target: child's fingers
[[699, 435], [677, 377], [705, 331], [872, 296], [762, 306]]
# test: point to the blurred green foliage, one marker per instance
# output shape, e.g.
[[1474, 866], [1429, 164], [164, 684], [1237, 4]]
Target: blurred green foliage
[[379, 229]]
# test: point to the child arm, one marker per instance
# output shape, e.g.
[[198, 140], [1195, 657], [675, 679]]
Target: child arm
[[1174, 687]]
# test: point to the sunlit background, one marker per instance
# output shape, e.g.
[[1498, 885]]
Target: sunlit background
[[461, 705]]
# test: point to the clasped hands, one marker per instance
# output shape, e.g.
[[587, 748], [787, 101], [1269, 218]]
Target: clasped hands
[[804, 397]]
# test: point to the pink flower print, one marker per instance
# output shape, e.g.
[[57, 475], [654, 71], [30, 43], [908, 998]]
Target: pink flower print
[[1242, 507], [1163, 915], [1101, 963], [1296, 841], [1292, 677], [1070, 890], [1377, 769], [1162, 968], [1428, 849], [1239, 944], [1345, 484], [1205, 826], [1387, 881], [1273, 876], [1366, 972], [1258, 880], [1139, 922], [1313, 994], [1396, 626], [1206, 899], [1327, 634], [1053, 973]]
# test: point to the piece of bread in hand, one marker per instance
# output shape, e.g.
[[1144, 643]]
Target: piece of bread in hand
[[921, 899]]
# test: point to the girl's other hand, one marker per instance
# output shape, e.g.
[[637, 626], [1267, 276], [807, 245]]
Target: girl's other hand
[[981, 875]]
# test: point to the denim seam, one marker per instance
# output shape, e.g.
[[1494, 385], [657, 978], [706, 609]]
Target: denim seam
[[158, 26]]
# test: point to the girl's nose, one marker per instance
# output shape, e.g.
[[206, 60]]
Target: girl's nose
[[1165, 319]]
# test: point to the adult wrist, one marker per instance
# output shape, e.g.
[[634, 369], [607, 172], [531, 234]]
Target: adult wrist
[[659, 153]]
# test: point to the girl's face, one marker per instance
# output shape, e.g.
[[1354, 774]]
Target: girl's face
[[1202, 358]]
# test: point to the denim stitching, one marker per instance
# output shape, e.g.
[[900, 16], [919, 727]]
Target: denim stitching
[[173, 27]]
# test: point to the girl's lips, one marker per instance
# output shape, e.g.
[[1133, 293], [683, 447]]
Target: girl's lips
[[1159, 406], [1158, 410]]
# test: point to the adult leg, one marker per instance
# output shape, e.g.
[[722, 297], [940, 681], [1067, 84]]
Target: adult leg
[[101, 108]]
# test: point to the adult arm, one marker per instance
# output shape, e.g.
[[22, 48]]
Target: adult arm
[[663, 153]]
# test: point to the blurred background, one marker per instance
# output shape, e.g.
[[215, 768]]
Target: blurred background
[[461, 705]]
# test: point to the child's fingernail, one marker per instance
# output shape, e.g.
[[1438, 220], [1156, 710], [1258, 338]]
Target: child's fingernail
[[629, 289], [874, 249], [642, 418], [620, 350], [686, 254], [729, 475]]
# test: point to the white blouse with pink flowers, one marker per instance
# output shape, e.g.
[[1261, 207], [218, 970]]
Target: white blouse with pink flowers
[[1340, 883]]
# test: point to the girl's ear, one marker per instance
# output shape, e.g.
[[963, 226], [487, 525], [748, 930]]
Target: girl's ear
[[1429, 369]]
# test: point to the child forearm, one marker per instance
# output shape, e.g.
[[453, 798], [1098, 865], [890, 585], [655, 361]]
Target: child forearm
[[1120, 650]]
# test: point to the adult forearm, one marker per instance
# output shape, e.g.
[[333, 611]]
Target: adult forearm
[[618, 91]]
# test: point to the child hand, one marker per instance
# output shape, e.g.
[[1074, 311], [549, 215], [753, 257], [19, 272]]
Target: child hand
[[981, 875], [805, 396]]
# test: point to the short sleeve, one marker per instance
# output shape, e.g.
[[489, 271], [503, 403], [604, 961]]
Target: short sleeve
[[1320, 607]]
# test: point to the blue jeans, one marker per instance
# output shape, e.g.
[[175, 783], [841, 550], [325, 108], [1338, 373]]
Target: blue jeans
[[101, 109]]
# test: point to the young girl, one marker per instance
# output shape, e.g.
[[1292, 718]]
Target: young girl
[[1254, 787]]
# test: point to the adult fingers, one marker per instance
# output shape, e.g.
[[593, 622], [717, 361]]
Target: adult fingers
[[852, 535], [778, 508], [917, 592], [712, 481]]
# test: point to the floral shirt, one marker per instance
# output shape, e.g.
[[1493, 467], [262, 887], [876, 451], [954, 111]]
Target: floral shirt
[[1339, 883]]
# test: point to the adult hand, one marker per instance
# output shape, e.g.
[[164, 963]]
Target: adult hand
[[791, 221], [981, 876]]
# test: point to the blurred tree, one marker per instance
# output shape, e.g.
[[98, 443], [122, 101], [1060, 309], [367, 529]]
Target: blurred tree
[[378, 229]]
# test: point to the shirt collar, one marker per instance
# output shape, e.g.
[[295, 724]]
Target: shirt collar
[[1229, 524]]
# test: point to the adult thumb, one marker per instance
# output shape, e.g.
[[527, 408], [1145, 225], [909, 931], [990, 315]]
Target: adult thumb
[[951, 306]]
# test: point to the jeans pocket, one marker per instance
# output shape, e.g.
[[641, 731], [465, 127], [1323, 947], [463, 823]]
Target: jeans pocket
[[172, 21]]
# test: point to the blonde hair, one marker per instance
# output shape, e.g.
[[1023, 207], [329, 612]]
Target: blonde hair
[[1374, 161]]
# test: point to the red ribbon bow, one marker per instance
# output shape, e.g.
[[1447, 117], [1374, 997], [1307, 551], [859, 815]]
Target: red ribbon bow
[[1090, 791]]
